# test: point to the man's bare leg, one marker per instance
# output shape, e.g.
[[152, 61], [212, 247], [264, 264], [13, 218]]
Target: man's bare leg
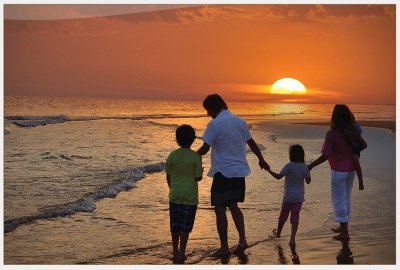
[[238, 219], [222, 227]]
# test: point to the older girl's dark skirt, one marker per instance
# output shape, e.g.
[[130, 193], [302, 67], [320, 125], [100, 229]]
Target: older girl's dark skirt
[[181, 217], [225, 191]]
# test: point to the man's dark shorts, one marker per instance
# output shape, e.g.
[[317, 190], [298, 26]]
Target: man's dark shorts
[[225, 191]]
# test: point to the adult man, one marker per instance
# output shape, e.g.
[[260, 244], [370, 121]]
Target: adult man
[[227, 136]]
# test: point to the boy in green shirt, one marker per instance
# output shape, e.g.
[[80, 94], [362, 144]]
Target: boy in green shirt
[[184, 169]]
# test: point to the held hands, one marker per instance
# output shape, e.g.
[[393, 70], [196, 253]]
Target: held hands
[[310, 167], [263, 164]]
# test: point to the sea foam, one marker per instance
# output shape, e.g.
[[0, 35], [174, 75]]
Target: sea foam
[[87, 204]]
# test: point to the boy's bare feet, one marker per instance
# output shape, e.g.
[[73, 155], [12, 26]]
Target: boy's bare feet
[[175, 257], [181, 259], [221, 253], [275, 233], [175, 260]]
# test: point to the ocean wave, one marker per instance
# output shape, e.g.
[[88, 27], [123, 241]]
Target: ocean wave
[[48, 156], [163, 125], [88, 203], [35, 121]]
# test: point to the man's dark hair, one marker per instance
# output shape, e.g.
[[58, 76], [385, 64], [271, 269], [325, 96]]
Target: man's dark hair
[[296, 153], [185, 135], [214, 102]]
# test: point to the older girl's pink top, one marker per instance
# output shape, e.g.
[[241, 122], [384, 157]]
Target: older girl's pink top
[[338, 151]]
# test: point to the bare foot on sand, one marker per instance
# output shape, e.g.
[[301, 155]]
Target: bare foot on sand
[[341, 237], [221, 253], [175, 258], [275, 233], [240, 248], [337, 230], [181, 259]]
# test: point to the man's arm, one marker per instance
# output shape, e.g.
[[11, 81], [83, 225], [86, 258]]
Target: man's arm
[[203, 149], [254, 147]]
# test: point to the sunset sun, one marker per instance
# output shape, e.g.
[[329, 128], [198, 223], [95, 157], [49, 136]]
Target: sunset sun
[[288, 86]]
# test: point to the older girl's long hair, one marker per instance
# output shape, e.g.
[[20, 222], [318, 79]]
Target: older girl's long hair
[[341, 118]]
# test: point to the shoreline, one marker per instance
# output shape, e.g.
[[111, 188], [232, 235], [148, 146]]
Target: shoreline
[[390, 125]]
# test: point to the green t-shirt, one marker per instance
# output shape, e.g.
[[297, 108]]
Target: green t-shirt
[[182, 166]]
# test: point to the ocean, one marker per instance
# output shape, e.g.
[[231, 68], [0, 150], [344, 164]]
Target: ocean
[[83, 176]]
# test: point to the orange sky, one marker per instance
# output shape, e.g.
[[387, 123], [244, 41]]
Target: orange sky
[[341, 53]]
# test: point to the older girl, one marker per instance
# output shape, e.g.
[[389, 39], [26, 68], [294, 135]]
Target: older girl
[[338, 152]]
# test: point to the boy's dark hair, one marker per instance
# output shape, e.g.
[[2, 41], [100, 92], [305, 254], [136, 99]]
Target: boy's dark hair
[[296, 153], [214, 102], [185, 135]]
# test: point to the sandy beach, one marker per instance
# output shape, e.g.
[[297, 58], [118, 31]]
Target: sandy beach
[[133, 227]]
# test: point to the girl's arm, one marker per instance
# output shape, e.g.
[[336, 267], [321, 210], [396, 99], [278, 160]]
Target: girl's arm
[[274, 174], [308, 179]]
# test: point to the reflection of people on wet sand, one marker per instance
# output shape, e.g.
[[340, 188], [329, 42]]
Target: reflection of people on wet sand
[[295, 173], [295, 257], [345, 256], [282, 258]]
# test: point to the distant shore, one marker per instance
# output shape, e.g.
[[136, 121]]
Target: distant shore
[[391, 125]]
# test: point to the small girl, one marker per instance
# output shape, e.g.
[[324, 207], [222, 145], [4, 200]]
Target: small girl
[[295, 172], [357, 143]]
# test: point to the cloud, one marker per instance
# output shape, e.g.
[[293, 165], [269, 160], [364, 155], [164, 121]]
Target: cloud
[[77, 11], [192, 14], [168, 13], [176, 15], [314, 13], [29, 18], [271, 12]]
